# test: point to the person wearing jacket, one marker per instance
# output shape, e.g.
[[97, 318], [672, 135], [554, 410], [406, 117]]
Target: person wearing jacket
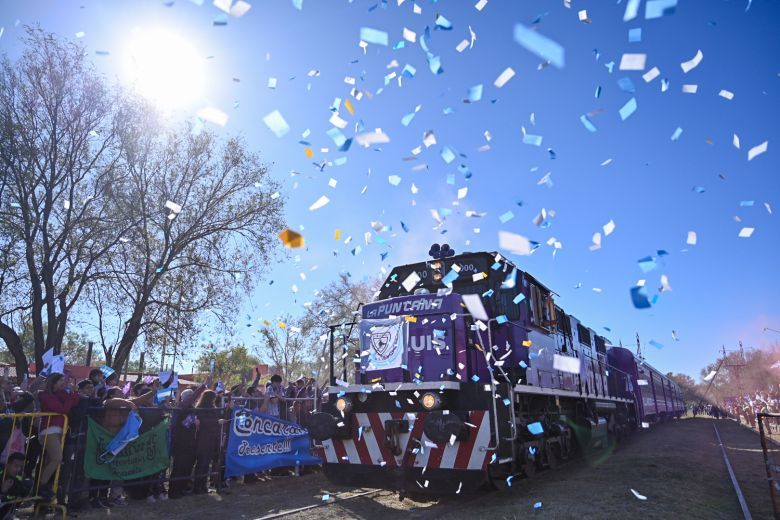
[[183, 434], [54, 399], [207, 440]]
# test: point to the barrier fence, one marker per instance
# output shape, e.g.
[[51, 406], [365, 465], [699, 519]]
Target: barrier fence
[[20, 434], [766, 421], [183, 447]]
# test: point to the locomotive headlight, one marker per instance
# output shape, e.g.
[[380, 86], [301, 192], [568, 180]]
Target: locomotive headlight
[[430, 401], [344, 404], [363, 397], [437, 276]]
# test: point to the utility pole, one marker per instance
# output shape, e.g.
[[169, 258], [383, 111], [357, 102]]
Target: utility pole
[[736, 367]]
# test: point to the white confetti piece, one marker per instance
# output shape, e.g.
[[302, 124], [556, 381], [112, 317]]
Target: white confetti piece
[[690, 89], [462, 46], [757, 150], [276, 123], [176, 208], [480, 5], [735, 141], [710, 375], [608, 228], [410, 281], [691, 64], [213, 115], [746, 232], [691, 241], [726, 94], [369, 138], [651, 74], [409, 35], [322, 201], [566, 364], [633, 62], [505, 76], [640, 497], [583, 16], [514, 243]]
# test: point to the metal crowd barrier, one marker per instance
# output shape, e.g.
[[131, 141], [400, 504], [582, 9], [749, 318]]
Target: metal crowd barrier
[[772, 468], [28, 426]]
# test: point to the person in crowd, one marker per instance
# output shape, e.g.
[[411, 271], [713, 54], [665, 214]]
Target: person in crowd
[[72, 477], [99, 382], [274, 397], [291, 390], [184, 424], [57, 398], [14, 485], [207, 440]]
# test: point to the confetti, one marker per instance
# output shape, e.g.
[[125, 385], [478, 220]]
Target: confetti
[[513, 243], [691, 64], [691, 241], [540, 45], [659, 8], [677, 133], [566, 364], [608, 228], [651, 74], [411, 281], [276, 123], [176, 208], [213, 115], [690, 89], [628, 109], [504, 77], [633, 62], [374, 36], [710, 375], [757, 150], [536, 428], [319, 203], [746, 232], [640, 497], [726, 94], [291, 238]]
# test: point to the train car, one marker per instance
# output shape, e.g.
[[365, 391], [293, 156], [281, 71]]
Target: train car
[[658, 398], [464, 373]]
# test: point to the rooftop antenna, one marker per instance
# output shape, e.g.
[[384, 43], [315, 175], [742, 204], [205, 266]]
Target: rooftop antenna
[[638, 347]]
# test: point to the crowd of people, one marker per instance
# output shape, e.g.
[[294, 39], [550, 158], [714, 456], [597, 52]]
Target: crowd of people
[[746, 408], [35, 447]]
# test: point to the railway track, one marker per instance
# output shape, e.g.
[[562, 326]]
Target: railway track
[[734, 483], [335, 499]]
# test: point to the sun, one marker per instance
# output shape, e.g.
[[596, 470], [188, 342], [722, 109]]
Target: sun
[[164, 68]]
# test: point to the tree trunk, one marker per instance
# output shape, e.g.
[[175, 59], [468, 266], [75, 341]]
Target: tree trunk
[[129, 337], [14, 344]]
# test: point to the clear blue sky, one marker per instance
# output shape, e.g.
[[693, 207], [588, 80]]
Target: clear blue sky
[[724, 288]]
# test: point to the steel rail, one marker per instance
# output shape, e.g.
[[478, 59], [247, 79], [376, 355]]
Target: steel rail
[[740, 496]]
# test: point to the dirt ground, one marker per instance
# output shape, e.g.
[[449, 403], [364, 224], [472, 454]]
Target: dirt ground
[[678, 466]]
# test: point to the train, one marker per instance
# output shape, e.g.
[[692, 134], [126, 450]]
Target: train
[[464, 373]]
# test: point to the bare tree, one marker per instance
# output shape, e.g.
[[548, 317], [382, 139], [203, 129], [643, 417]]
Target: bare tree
[[59, 149], [288, 346], [205, 216]]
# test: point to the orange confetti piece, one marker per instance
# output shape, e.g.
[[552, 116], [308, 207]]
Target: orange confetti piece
[[291, 238], [309, 153], [337, 235], [527, 343], [411, 319], [348, 105], [282, 325]]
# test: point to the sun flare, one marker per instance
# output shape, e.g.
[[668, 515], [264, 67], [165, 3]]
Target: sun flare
[[164, 68]]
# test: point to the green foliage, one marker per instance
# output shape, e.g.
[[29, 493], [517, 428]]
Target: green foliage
[[232, 364]]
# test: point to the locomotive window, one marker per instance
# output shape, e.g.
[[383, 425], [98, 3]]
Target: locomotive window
[[601, 345], [584, 335], [540, 310], [506, 304]]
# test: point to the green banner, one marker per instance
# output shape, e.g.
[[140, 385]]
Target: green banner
[[146, 455]]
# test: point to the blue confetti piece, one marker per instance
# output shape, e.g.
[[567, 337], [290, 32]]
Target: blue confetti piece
[[509, 480], [523, 364], [540, 45], [395, 180], [659, 8], [408, 71], [610, 66], [647, 264], [408, 118], [552, 153], [494, 458], [404, 226], [400, 45], [450, 277], [507, 402], [677, 133], [626, 85], [746, 203], [502, 319], [374, 36], [434, 63], [451, 179], [699, 189], [535, 428], [447, 154], [443, 23], [520, 297], [219, 21], [475, 378], [439, 333], [534, 140], [639, 298], [538, 505], [496, 266], [397, 404], [628, 109], [587, 123], [635, 35], [488, 293], [506, 217], [475, 93], [657, 345], [325, 498], [360, 432], [597, 94]]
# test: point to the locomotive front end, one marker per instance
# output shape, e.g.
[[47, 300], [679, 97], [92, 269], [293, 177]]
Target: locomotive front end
[[420, 414]]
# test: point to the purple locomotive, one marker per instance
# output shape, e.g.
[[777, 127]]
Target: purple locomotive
[[465, 373]]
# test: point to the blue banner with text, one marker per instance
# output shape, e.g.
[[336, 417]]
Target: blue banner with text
[[257, 442]]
